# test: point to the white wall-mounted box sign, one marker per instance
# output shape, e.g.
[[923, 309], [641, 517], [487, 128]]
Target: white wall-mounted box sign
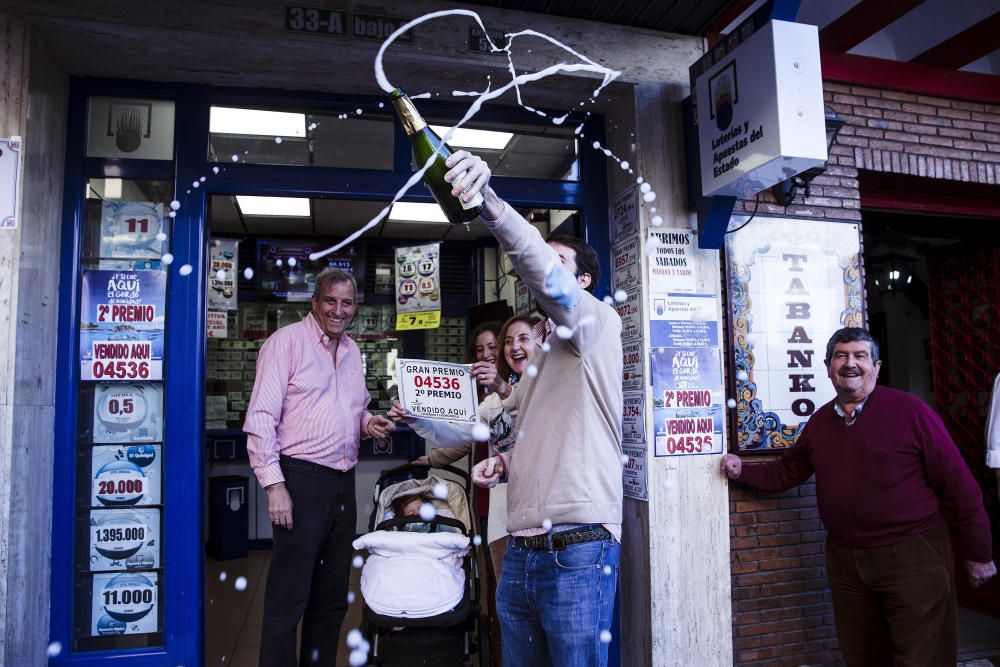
[[10, 176], [760, 111]]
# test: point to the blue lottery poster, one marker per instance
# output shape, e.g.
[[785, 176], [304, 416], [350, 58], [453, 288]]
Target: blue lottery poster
[[121, 325], [688, 400], [683, 320], [124, 603]]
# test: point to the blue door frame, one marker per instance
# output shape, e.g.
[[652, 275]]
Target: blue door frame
[[185, 342]]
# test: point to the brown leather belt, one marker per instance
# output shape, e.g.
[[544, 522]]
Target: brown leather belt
[[563, 539]]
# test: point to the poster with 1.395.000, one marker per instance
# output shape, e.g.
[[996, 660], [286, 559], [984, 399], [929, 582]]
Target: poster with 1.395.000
[[124, 539]]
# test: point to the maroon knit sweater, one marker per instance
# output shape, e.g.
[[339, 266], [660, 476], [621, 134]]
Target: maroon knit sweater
[[893, 474]]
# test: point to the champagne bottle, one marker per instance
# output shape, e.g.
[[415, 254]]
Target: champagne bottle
[[425, 143]]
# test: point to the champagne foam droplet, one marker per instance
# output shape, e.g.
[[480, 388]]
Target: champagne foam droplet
[[185, 270]]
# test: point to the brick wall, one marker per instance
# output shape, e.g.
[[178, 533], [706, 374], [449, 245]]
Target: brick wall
[[781, 605]]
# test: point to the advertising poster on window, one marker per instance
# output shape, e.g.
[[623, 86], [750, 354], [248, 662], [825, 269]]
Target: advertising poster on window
[[524, 302], [624, 215], [671, 263], [132, 230], [223, 257], [688, 400], [128, 412], [634, 473], [121, 325], [418, 287], [124, 603], [285, 272], [217, 324], [125, 539], [437, 390], [793, 283], [126, 476]]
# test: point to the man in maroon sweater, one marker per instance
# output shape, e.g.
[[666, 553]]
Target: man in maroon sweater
[[890, 483]]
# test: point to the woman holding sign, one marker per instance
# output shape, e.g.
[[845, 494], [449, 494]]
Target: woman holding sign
[[519, 344]]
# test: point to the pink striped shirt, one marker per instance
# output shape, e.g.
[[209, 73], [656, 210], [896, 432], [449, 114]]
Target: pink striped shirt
[[303, 405]]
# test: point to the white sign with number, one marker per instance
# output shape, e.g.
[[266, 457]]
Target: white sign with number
[[124, 604], [632, 366], [125, 476], [624, 214], [123, 539], [625, 266], [634, 417], [634, 473], [630, 310], [131, 230], [437, 390], [131, 412]]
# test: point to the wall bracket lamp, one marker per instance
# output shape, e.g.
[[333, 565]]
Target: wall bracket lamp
[[785, 191]]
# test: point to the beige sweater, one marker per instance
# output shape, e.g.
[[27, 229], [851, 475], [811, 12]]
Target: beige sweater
[[566, 466]]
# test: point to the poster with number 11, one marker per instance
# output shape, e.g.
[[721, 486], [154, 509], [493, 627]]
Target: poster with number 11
[[129, 230]]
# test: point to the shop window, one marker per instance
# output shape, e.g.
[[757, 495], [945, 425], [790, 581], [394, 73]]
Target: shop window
[[547, 152], [126, 127], [118, 568], [259, 136]]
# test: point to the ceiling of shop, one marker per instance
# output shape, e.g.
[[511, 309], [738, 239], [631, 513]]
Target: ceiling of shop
[[959, 35]]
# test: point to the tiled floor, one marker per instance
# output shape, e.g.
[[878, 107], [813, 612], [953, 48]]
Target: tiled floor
[[978, 636], [233, 617]]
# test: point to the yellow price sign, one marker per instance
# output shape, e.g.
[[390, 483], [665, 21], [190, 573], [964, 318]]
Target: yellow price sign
[[426, 320]]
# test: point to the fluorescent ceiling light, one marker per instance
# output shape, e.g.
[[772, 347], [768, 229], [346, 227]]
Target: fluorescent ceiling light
[[416, 212], [285, 207], [466, 138], [227, 120]]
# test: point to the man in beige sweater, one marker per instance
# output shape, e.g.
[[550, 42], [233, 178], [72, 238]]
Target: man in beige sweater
[[564, 492]]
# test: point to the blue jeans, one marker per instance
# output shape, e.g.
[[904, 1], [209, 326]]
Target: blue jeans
[[554, 605]]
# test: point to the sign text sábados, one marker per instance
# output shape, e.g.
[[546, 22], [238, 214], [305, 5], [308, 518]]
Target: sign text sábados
[[437, 390]]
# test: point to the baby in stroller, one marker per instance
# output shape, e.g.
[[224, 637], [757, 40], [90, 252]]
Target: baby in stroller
[[414, 568], [420, 582]]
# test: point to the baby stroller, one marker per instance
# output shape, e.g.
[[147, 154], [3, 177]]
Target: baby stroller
[[421, 579]]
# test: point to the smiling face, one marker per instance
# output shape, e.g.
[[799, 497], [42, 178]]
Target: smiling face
[[852, 371], [518, 346], [334, 308], [486, 347]]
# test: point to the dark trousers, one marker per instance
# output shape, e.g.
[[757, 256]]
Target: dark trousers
[[310, 567], [895, 605]]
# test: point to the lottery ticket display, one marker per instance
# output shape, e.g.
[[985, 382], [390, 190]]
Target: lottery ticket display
[[124, 539], [125, 476], [124, 604], [130, 412]]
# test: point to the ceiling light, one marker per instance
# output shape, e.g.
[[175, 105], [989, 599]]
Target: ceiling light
[[416, 212], [284, 207], [228, 120], [481, 139]]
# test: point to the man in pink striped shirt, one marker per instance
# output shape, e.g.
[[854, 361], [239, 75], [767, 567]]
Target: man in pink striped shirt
[[305, 421]]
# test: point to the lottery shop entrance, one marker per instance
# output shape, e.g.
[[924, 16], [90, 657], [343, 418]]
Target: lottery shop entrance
[[188, 591]]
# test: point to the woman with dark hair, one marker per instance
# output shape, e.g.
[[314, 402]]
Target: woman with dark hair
[[482, 346], [519, 340]]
